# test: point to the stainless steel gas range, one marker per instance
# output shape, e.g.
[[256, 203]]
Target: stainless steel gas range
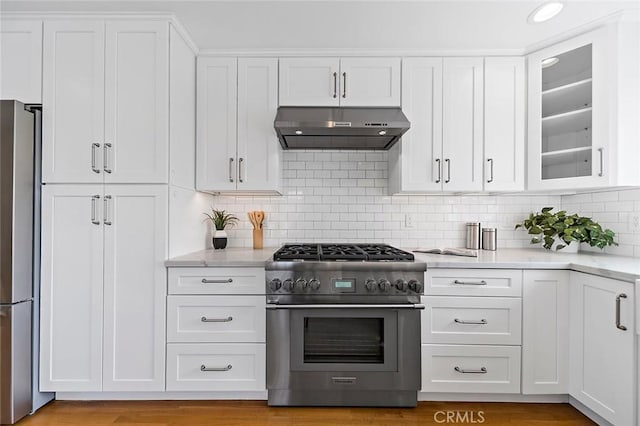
[[343, 325]]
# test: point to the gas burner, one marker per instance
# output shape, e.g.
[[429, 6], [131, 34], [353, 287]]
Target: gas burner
[[341, 252]]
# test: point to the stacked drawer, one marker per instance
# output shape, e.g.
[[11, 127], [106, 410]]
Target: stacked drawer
[[216, 329], [471, 331]]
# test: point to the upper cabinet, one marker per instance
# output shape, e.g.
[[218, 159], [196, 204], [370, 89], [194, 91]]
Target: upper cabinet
[[447, 148], [237, 148], [583, 127], [21, 60], [339, 82], [105, 101]]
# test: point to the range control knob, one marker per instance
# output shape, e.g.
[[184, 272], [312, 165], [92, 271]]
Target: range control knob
[[370, 285], [287, 285], [275, 284], [302, 284], [384, 285], [416, 286], [401, 285], [314, 284]]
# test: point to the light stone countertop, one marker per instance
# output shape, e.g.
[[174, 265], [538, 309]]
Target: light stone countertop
[[616, 267]]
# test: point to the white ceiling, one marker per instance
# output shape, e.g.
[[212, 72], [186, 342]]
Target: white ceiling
[[332, 24]]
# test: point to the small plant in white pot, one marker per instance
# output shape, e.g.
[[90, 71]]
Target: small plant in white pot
[[560, 230], [221, 220]]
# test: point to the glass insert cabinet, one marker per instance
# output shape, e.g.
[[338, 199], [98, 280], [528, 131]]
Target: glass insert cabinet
[[568, 126]]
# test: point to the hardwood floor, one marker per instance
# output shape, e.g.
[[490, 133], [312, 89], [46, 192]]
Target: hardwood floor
[[236, 413]]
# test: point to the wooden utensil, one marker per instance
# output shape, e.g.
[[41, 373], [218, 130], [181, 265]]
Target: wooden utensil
[[259, 218]]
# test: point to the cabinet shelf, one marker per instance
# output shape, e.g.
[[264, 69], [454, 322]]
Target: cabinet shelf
[[566, 122], [567, 98], [565, 151]]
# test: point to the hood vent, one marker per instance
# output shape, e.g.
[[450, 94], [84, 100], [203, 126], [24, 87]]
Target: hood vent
[[339, 128]]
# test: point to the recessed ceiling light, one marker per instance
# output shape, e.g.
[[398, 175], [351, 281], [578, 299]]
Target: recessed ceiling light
[[545, 12], [546, 63]]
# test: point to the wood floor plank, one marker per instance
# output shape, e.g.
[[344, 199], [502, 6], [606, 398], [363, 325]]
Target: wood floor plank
[[256, 413]]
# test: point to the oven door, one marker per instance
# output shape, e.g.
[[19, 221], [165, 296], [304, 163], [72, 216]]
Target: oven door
[[339, 347]]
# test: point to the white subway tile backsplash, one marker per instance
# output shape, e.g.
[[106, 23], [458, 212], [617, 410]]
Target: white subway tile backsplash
[[343, 196]]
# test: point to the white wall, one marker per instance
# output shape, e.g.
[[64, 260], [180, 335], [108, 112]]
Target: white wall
[[612, 209], [340, 196]]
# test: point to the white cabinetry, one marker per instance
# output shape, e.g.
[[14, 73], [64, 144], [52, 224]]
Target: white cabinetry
[[103, 249], [583, 111], [545, 332], [339, 82], [105, 101], [602, 346], [21, 60], [447, 148], [471, 331], [236, 144], [216, 329]]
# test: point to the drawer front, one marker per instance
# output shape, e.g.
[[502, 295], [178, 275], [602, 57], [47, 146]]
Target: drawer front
[[472, 320], [473, 282], [216, 367], [471, 369], [227, 319], [216, 281]]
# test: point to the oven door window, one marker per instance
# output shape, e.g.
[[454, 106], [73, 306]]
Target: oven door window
[[344, 340]]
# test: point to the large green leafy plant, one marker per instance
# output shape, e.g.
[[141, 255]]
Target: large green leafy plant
[[546, 226], [221, 219]]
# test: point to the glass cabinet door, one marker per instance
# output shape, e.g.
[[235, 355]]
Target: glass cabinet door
[[566, 145]]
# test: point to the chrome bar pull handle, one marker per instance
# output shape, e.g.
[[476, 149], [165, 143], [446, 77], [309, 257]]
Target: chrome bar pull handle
[[107, 148], [106, 220], [448, 179], [240, 163], [94, 146], [227, 319], [480, 322], [482, 370], [335, 85], [600, 150], [94, 201], [344, 84], [223, 281], [439, 166], [618, 325], [481, 282], [205, 368], [490, 161], [230, 169]]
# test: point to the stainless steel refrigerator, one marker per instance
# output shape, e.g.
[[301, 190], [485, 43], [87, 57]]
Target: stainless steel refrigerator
[[20, 136]]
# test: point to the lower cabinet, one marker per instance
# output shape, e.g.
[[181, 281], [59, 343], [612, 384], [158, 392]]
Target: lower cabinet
[[602, 347], [216, 328], [545, 332], [103, 288]]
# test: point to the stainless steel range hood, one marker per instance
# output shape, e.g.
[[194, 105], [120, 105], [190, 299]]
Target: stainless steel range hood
[[339, 128]]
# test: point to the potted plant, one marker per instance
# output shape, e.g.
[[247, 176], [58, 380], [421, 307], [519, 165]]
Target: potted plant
[[565, 230], [220, 219]]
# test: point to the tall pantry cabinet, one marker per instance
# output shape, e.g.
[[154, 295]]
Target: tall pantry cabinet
[[104, 204]]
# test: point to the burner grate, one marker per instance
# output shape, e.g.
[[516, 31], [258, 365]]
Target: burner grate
[[342, 252]]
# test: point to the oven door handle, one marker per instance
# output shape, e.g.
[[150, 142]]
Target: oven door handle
[[346, 306]]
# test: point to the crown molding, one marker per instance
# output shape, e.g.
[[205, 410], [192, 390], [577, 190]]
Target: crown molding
[[354, 52]]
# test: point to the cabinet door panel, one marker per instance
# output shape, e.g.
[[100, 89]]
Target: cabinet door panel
[[73, 101], [21, 60], [415, 162], [545, 332], [370, 82], [309, 82], [258, 146], [71, 289], [135, 220], [504, 124], [462, 115], [136, 102], [602, 355], [217, 124]]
